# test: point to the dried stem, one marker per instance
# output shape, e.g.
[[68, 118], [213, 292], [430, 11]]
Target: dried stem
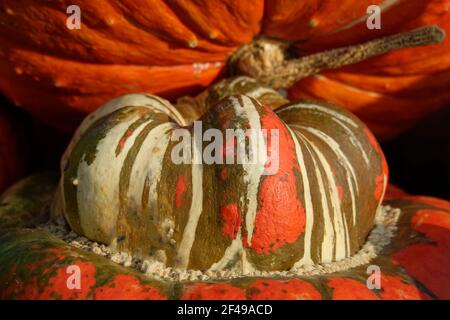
[[265, 60]]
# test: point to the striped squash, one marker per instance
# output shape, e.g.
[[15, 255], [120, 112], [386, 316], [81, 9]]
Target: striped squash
[[415, 263], [120, 187]]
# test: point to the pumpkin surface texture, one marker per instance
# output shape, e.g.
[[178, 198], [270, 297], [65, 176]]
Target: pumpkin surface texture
[[317, 206], [414, 264], [170, 48]]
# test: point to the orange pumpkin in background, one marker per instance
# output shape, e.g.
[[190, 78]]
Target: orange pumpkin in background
[[177, 47]]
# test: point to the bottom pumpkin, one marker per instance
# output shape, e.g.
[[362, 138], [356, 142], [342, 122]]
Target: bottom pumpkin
[[35, 264]]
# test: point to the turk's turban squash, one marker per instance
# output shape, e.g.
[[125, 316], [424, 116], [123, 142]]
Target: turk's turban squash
[[121, 185], [170, 48], [309, 231]]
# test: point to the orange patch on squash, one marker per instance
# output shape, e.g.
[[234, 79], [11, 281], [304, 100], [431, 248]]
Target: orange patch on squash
[[340, 192], [127, 287], [394, 288], [231, 220], [295, 289], [180, 190], [280, 218], [379, 180], [57, 286], [429, 263], [212, 291], [350, 289], [223, 174]]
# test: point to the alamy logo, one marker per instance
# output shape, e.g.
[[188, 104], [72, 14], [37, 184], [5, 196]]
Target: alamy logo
[[374, 279], [236, 146], [74, 280], [374, 19], [73, 22]]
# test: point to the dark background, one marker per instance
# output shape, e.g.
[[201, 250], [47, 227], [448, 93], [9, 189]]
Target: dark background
[[419, 160]]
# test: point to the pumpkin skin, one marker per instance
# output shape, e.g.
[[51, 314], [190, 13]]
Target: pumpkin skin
[[27, 202], [12, 149], [185, 45], [34, 263], [330, 170]]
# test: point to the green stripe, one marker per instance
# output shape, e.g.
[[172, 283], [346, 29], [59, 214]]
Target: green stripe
[[86, 150], [130, 224]]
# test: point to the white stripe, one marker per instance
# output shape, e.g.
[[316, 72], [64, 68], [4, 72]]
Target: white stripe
[[322, 109], [252, 172], [148, 164], [97, 202], [340, 227], [259, 92], [328, 228], [340, 119], [354, 140], [128, 100], [233, 249], [184, 250], [380, 202], [132, 100], [306, 259], [352, 183], [234, 82], [166, 107]]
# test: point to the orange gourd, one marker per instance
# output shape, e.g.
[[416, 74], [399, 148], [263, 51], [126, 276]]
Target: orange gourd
[[173, 48]]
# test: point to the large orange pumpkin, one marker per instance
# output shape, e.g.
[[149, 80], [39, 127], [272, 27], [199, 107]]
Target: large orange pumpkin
[[170, 48]]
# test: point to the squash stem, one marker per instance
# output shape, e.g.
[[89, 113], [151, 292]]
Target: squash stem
[[266, 60]]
